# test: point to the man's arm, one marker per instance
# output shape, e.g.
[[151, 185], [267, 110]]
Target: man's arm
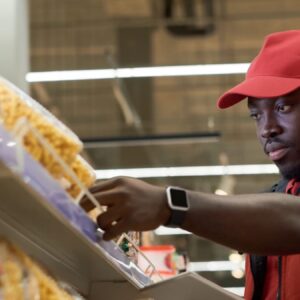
[[267, 223]]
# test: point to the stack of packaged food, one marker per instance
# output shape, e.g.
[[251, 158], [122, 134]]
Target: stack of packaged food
[[52, 144], [21, 278], [48, 140]]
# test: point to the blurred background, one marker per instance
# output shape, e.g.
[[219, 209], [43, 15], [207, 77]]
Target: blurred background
[[152, 121]]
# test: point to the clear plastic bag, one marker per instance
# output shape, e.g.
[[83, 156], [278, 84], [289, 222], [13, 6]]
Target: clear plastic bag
[[56, 148], [22, 279], [17, 281], [48, 288], [84, 172], [19, 113], [16, 106]]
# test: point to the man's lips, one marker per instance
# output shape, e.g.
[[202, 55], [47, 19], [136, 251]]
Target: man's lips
[[276, 149], [277, 154]]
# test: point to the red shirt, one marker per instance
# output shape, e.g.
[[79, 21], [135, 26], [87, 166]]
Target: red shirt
[[290, 285], [290, 270], [271, 280]]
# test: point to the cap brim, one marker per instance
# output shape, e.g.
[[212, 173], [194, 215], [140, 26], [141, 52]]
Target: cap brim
[[258, 87]]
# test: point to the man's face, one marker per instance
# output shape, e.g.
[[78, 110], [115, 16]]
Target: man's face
[[278, 130]]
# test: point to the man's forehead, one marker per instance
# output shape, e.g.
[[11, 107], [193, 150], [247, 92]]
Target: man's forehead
[[255, 102], [252, 101], [291, 98]]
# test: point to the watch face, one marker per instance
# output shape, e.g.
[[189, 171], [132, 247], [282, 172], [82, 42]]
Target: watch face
[[179, 198]]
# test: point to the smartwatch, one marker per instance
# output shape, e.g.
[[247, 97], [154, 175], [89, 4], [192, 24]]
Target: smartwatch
[[178, 202]]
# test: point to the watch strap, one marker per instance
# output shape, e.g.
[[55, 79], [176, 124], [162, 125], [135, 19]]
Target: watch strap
[[176, 218]]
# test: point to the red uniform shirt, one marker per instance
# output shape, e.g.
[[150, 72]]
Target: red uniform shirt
[[289, 276]]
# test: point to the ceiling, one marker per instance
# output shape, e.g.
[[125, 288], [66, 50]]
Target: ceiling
[[97, 34]]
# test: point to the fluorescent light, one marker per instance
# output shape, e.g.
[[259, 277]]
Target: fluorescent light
[[70, 75], [187, 70], [189, 171], [236, 290], [223, 265], [162, 230], [158, 139], [220, 192], [212, 266]]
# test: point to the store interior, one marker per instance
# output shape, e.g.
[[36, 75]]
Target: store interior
[[164, 129]]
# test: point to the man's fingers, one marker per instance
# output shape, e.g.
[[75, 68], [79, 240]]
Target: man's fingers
[[115, 230], [87, 204], [104, 198], [106, 219], [108, 184], [101, 186]]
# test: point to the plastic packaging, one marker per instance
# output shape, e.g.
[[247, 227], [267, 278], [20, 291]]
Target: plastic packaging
[[16, 106], [84, 172], [12, 279], [22, 278], [21, 114], [55, 148], [17, 281], [33, 174], [48, 287]]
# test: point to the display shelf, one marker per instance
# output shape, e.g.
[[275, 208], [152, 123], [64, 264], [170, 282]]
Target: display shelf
[[32, 223], [36, 226], [187, 286]]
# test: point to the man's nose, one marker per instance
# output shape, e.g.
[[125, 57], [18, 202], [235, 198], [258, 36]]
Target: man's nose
[[270, 127]]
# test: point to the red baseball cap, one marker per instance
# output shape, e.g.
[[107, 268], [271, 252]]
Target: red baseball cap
[[274, 72]]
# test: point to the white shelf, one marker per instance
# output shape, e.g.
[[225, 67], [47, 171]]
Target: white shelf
[[39, 229], [31, 222]]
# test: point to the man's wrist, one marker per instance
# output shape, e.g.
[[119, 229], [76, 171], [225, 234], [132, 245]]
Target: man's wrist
[[164, 211], [166, 214]]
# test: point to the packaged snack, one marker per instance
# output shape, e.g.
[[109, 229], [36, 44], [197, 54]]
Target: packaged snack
[[16, 106], [43, 136], [17, 282], [84, 172], [49, 289], [11, 279], [21, 278]]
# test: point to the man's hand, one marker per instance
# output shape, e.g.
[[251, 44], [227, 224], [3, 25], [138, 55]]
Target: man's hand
[[131, 204]]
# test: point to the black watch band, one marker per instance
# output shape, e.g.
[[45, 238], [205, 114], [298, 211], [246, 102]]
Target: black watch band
[[178, 202], [176, 218]]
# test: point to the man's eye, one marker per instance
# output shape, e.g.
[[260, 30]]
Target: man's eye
[[254, 116], [283, 108]]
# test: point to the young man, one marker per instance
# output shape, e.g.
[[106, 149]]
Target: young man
[[259, 224]]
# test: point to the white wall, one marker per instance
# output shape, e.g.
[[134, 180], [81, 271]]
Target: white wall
[[14, 41]]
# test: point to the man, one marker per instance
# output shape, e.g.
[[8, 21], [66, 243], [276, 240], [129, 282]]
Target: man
[[260, 224]]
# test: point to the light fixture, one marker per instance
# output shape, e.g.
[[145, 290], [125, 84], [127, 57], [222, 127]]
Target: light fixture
[[212, 266], [238, 273], [221, 192], [143, 140], [258, 169], [161, 71], [236, 290]]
